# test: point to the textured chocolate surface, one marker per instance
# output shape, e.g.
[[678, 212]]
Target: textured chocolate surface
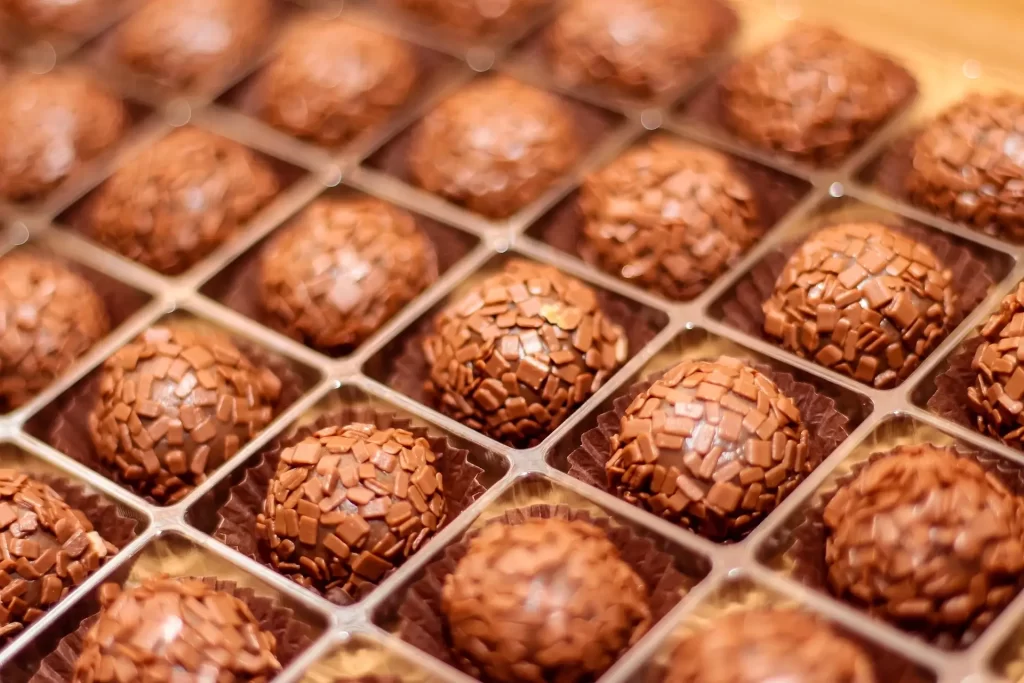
[[342, 269], [180, 199], [174, 404], [545, 600], [474, 18], [73, 17], [863, 300], [49, 316], [520, 351], [669, 216], [995, 396], [493, 146]]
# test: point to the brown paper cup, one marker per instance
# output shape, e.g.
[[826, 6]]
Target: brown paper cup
[[950, 397], [889, 172]]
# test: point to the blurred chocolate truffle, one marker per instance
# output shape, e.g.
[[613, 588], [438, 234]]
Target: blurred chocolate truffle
[[49, 549], [72, 17], [968, 165], [995, 395], [545, 600], [813, 95], [474, 18], [178, 200], [50, 124], [349, 504], [174, 404], [331, 80], [49, 317], [169, 629], [494, 146], [928, 540], [343, 269], [669, 216], [864, 300], [756, 646], [520, 351]]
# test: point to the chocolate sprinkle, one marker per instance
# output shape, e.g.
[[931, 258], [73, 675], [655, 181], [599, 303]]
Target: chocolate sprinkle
[[995, 396]]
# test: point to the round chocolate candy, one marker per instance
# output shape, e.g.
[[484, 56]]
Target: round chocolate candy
[[49, 548], [928, 540], [545, 600], [494, 146], [349, 504], [864, 300], [168, 629], [174, 404], [712, 445], [342, 269], [755, 646], [49, 317], [669, 216], [474, 18], [177, 201], [72, 17], [520, 351], [995, 395]]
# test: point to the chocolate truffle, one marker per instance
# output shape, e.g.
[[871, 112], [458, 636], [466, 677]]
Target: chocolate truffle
[[755, 646], [174, 404], [180, 199], [518, 353], [545, 600], [474, 18], [73, 17], [494, 146], [183, 630], [814, 95], [863, 300], [331, 80], [51, 124], [669, 216], [49, 548], [342, 269], [968, 165], [49, 317], [927, 540], [994, 398], [349, 504]]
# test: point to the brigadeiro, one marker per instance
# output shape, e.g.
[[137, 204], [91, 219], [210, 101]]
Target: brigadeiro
[[73, 17], [545, 600], [864, 300], [494, 146], [342, 269], [669, 216], [994, 397], [180, 199], [174, 404], [474, 18], [520, 351]]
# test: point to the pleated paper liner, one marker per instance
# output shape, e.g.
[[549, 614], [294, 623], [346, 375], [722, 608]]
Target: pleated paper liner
[[951, 385], [236, 520]]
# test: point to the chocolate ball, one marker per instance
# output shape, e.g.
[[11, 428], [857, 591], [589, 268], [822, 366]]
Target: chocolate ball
[[927, 540], [74, 17], [49, 317], [994, 398], [669, 216], [494, 146], [51, 124], [518, 353], [813, 95], [968, 165], [474, 18], [49, 549], [755, 646], [168, 629], [863, 300], [343, 269], [174, 404], [545, 600], [180, 199], [349, 504]]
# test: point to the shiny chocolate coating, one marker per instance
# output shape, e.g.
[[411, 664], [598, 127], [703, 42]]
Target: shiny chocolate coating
[[995, 396], [72, 17], [474, 18]]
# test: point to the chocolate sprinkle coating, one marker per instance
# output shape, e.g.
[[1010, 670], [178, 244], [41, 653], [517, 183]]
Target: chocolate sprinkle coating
[[46, 549], [927, 540], [73, 17], [863, 300], [174, 405], [474, 18], [669, 216], [518, 353], [494, 146], [180, 199], [342, 269], [175, 630], [995, 397], [755, 646], [349, 504], [545, 600], [49, 317]]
